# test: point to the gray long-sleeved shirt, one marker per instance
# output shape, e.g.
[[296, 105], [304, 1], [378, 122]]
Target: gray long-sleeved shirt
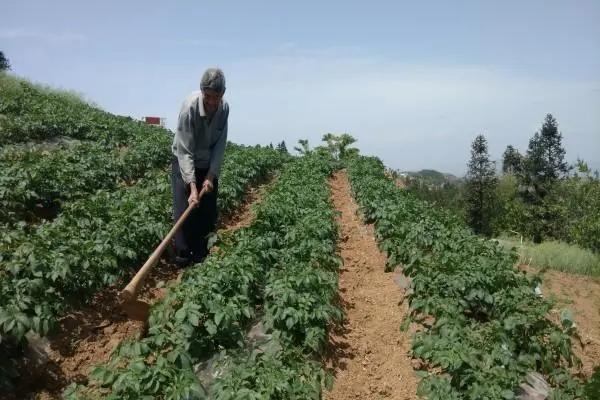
[[198, 144]]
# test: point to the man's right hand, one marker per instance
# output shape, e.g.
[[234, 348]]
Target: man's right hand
[[193, 199]]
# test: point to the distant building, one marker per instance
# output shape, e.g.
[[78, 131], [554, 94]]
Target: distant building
[[162, 122]]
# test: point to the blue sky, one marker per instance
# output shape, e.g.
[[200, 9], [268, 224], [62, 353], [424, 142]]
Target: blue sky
[[414, 82]]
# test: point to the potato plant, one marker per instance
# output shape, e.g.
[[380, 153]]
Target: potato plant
[[490, 328], [33, 113], [99, 239], [282, 270]]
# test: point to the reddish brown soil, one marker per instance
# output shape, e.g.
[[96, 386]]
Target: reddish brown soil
[[581, 295], [369, 355], [87, 337]]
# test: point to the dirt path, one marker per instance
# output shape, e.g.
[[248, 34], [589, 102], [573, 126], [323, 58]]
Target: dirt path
[[581, 295], [370, 356], [87, 337]]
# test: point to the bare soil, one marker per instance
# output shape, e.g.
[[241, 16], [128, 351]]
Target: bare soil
[[369, 355], [581, 295], [86, 338]]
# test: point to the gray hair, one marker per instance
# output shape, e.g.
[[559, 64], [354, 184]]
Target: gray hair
[[213, 78]]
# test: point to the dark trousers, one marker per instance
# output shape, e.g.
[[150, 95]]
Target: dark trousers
[[191, 240]]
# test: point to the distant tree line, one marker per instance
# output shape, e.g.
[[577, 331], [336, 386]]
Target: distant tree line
[[537, 195]]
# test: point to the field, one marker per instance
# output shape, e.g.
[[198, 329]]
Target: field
[[326, 279]]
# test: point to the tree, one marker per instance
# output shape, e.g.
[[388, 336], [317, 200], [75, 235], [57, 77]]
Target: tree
[[545, 161], [351, 152], [512, 160], [338, 144], [4, 64], [304, 149], [345, 141], [543, 166], [481, 183], [282, 147], [331, 141]]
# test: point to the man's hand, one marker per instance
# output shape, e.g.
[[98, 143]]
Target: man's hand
[[193, 199], [207, 185]]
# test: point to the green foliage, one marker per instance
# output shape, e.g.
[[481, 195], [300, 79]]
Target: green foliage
[[338, 144], [490, 328], [284, 374], [43, 276], [543, 166], [449, 195], [282, 270], [304, 148], [568, 212], [34, 177], [4, 64], [577, 201], [509, 212], [592, 388], [282, 147], [545, 162], [30, 112], [512, 161], [41, 176], [480, 185]]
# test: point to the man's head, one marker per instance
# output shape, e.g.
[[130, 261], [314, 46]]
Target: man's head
[[212, 85]]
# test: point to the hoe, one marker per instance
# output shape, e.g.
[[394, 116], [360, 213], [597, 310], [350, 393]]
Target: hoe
[[138, 309]]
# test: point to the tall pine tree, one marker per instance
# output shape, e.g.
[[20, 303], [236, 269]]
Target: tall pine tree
[[481, 184], [545, 162], [512, 160], [543, 166]]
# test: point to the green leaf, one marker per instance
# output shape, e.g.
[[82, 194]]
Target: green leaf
[[210, 326]]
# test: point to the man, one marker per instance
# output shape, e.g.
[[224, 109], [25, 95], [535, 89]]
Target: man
[[198, 149]]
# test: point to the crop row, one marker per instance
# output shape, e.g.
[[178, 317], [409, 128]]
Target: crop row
[[98, 239], [30, 112], [279, 276], [490, 329], [35, 177]]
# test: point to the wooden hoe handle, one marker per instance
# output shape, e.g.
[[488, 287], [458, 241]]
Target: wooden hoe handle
[[131, 290]]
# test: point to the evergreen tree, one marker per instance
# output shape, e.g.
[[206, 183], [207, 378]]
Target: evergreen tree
[[512, 160], [4, 64], [282, 147], [543, 166], [546, 156], [544, 163], [481, 183]]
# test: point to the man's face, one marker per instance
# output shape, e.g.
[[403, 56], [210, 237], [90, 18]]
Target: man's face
[[211, 99]]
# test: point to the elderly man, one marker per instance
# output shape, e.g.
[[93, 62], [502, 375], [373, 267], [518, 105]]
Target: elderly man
[[198, 149]]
